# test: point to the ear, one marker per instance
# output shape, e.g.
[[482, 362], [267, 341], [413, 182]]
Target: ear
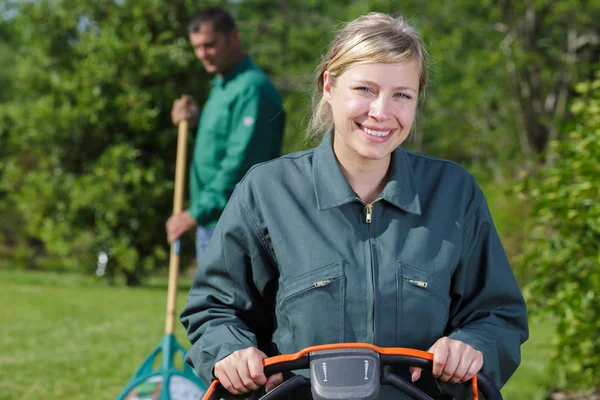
[[234, 36], [327, 86]]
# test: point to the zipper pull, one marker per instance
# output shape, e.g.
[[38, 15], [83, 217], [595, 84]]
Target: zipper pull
[[322, 283], [418, 283], [369, 212]]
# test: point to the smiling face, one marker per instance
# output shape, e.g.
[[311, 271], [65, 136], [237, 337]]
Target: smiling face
[[214, 49], [373, 107]]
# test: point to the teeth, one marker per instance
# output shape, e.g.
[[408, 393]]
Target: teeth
[[376, 133]]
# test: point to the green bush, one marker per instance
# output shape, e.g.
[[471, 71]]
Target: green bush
[[562, 256], [87, 145]]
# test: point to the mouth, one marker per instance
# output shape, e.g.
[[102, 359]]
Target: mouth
[[376, 132]]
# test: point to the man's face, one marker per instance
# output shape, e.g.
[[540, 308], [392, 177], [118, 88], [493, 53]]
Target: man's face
[[214, 49]]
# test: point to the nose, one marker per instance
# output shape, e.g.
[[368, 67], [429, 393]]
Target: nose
[[200, 52], [381, 109]]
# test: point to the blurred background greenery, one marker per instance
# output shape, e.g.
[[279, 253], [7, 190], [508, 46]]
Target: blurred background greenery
[[87, 154]]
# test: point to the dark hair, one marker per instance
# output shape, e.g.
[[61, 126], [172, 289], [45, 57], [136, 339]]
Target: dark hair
[[220, 20]]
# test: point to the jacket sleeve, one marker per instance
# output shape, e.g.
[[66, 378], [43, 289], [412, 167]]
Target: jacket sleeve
[[487, 311], [228, 304], [255, 136]]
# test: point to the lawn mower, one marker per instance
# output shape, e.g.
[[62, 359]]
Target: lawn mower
[[351, 371]]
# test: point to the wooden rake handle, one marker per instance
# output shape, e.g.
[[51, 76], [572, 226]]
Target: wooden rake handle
[[177, 208]]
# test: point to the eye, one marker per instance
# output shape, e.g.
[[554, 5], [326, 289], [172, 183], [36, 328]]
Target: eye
[[363, 89], [403, 96]]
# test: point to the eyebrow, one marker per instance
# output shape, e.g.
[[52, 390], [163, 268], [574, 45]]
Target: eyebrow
[[368, 82], [211, 43]]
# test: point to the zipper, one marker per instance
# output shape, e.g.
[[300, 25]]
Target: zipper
[[373, 281], [314, 285], [422, 284], [369, 208], [322, 283]]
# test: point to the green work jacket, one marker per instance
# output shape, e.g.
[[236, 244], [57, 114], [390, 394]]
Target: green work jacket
[[299, 260], [241, 125]]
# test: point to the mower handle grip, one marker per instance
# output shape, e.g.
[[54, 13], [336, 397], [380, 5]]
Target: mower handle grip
[[388, 356]]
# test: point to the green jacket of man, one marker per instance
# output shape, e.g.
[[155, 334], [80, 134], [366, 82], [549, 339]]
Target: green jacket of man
[[241, 125], [298, 260]]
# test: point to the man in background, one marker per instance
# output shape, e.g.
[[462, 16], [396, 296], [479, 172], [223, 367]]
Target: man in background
[[241, 123]]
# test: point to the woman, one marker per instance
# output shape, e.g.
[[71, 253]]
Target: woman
[[358, 240]]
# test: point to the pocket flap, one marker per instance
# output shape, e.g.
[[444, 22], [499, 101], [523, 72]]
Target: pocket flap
[[424, 279], [315, 278]]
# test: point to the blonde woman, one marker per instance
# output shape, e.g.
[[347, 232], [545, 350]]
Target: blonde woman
[[358, 240]]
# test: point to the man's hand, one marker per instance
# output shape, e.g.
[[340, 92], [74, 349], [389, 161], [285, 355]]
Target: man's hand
[[242, 372], [178, 224], [453, 361], [184, 108]]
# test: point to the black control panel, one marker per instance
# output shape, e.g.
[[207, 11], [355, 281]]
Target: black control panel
[[345, 374]]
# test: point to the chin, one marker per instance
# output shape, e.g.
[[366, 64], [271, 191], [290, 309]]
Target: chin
[[211, 69], [373, 155]]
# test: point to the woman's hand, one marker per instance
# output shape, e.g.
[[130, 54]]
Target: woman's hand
[[242, 372], [453, 361]]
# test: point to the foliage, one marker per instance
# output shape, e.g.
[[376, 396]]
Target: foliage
[[86, 142], [548, 46], [562, 255], [88, 146], [484, 55], [297, 31]]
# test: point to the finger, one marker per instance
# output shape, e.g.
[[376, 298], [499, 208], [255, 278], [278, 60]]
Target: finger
[[181, 114], [189, 102], [461, 368], [175, 114], [178, 106], [415, 373], [174, 231], [238, 381], [452, 361], [226, 382], [256, 371], [246, 377], [440, 355], [461, 371], [273, 381], [473, 368], [174, 235], [169, 234]]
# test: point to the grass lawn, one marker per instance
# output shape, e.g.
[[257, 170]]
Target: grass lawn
[[69, 338], [531, 382]]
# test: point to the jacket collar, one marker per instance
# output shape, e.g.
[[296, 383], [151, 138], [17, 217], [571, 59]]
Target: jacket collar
[[332, 189], [244, 64]]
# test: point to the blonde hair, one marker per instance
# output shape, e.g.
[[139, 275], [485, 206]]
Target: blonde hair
[[371, 38]]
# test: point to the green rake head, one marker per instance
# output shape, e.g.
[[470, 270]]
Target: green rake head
[[172, 379]]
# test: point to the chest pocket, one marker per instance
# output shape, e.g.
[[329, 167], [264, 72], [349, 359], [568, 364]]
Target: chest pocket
[[423, 302], [310, 308], [216, 119]]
